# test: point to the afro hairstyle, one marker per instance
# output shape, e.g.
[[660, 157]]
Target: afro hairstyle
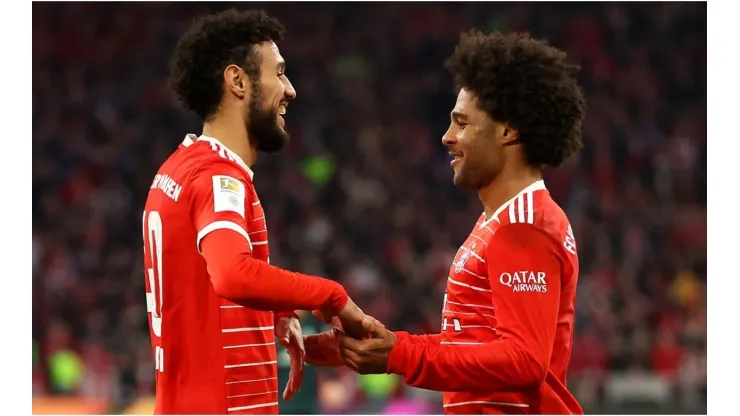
[[528, 84]]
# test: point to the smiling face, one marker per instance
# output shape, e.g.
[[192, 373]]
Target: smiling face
[[269, 98], [475, 143]]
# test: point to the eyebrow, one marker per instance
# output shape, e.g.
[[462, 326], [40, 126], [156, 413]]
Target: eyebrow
[[458, 115]]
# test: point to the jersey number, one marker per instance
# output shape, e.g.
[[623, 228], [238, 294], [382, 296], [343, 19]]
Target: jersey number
[[152, 227], [446, 322], [455, 324]]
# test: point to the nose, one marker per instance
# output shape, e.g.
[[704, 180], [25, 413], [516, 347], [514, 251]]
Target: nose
[[289, 90], [449, 139]]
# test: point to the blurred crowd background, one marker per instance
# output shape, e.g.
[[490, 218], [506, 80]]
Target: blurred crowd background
[[364, 194]]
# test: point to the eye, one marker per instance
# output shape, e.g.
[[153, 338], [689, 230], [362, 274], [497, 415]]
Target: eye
[[461, 125]]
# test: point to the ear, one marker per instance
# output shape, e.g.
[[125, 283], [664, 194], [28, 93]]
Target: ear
[[236, 81], [509, 135]]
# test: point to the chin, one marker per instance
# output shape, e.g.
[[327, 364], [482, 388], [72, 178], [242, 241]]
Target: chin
[[459, 181], [462, 182]]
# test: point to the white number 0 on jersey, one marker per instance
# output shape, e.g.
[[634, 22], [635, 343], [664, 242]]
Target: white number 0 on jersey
[[152, 228]]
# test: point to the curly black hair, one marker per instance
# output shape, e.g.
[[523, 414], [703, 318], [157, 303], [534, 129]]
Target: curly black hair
[[527, 83], [212, 43]]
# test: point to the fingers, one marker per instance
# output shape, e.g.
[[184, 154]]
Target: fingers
[[287, 393], [353, 326], [373, 327], [349, 345], [323, 349], [296, 379], [297, 370], [336, 322], [351, 358], [298, 340]]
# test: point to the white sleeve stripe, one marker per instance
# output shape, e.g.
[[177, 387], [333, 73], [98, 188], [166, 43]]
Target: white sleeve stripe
[[512, 216], [222, 225], [517, 209], [520, 200]]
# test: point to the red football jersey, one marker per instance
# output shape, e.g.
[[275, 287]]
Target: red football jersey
[[507, 319], [212, 356]]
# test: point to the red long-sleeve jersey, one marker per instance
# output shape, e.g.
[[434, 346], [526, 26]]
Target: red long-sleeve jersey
[[210, 287], [507, 319]]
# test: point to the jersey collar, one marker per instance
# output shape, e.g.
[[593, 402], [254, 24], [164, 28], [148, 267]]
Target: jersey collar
[[191, 138], [535, 186]]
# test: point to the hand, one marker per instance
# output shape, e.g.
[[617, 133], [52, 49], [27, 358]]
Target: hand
[[289, 333], [369, 356], [350, 316], [323, 349]]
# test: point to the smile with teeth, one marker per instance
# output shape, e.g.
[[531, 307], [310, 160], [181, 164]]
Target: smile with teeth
[[456, 157], [281, 110]]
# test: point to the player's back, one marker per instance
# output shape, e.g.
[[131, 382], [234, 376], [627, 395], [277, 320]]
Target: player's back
[[469, 318], [211, 356]]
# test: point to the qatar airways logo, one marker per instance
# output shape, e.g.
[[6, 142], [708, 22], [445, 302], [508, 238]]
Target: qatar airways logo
[[524, 281]]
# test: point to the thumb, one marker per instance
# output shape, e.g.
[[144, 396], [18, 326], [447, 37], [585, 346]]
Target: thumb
[[284, 341], [371, 328]]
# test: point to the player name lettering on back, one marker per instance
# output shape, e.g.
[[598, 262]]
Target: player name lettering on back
[[525, 281], [167, 185]]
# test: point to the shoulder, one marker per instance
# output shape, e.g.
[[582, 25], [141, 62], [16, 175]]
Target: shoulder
[[213, 170], [533, 217], [534, 207], [211, 164]]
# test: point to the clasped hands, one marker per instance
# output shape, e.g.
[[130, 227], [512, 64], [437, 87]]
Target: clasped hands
[[358, 341]]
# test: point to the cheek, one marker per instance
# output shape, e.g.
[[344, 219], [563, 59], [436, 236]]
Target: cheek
[[271, 88], [276, 89], [482, 152], [472, 143]]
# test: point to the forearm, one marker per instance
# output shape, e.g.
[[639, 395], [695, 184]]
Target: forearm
[[499, 365], [244, 280], [432, 339]]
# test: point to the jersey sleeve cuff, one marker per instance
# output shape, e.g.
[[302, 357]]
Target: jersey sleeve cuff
[[400, 354], [222, 225], [285, 314]]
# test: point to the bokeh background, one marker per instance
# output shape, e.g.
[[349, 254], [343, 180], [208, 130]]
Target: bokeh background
[[364, 193]]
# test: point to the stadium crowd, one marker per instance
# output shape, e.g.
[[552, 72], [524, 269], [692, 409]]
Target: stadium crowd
[[364, 193]]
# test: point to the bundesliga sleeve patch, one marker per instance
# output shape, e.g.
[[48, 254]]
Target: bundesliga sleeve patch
[[228, 194]]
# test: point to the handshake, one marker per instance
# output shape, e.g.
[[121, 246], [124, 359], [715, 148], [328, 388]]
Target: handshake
[[358, 341]]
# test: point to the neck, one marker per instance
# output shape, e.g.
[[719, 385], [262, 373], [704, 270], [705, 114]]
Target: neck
[[506, 185], [232, 132]]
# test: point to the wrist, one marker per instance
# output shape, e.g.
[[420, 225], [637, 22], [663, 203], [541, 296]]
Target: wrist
[[339, 297], [285, 314]]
